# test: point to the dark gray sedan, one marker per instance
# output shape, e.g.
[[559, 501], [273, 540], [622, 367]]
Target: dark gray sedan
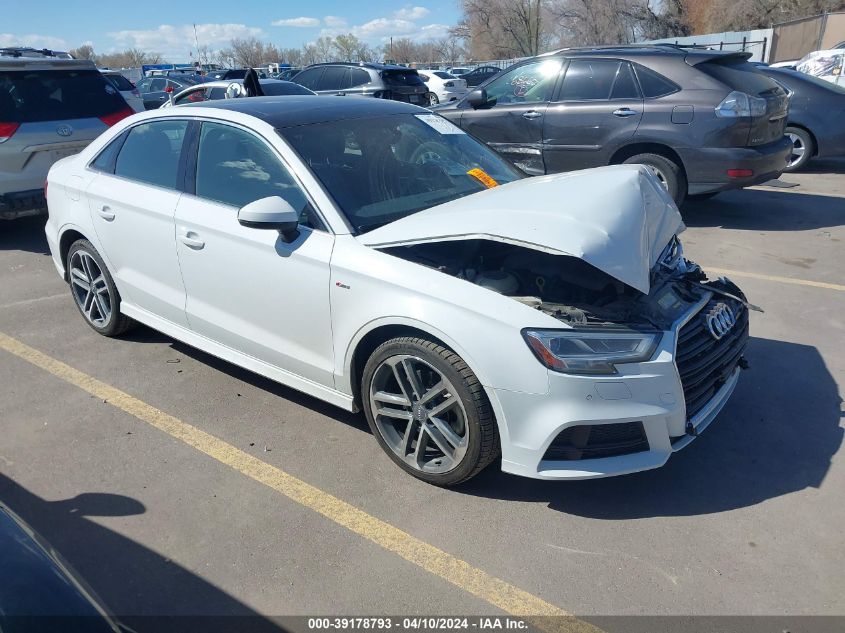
[[816, 121]]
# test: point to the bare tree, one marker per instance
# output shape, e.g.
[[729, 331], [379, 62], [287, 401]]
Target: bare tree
[[740, 15], [450, 49], [347, 46], [86, 51], [402, 51], [248, 52], [325, 48]]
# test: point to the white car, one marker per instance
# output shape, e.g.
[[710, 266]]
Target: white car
[[442, 86], [126, 88], [232, 88], [371, 254]]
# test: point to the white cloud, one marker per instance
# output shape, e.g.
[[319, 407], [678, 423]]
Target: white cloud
[[35, 41], [302, 22], [384, 27], [334, 22], [411, 13], [176, 41]]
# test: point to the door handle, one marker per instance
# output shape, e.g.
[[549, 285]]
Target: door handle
[[191, 242], [531, 114], [106, 213], [623, 112]]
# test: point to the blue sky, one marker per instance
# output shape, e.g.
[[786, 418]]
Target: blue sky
[[165, 26]]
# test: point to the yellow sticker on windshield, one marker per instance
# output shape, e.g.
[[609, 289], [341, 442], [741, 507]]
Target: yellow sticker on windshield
[[483, 177]]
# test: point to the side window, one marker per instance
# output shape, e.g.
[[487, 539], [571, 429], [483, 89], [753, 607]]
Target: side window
[[192, 97], [358, 77], [625, 86], [151, 153], [589, 80], [143, 85], [334, 78], [309, 78], [158, 84], [235, 167], [106, 158], [215, 93], [529, 83], [654, 84]]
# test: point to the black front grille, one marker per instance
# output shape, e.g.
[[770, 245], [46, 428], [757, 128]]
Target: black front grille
[[598, 440], [705, 363]]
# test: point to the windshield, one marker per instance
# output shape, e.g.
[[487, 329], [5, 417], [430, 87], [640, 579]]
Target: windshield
[[382, 169]]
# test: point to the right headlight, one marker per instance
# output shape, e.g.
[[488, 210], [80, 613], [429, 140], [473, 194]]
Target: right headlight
[[590, 351]]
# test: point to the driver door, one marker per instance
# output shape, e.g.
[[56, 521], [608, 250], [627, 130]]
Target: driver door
[[512, 123]]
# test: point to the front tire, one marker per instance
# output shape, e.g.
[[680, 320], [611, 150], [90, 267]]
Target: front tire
[[668, 172], [803, 148], [93, 290], [428, 411]]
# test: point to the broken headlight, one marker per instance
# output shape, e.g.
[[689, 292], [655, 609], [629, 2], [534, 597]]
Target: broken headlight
[[590, 351]]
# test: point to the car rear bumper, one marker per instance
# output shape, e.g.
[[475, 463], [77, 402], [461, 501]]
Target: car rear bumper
[[707, 167], [20, 204]]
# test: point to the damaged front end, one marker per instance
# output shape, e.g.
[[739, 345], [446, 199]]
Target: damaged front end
[[609, 321]]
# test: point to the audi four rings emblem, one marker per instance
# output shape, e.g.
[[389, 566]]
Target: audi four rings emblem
[[720, 320]]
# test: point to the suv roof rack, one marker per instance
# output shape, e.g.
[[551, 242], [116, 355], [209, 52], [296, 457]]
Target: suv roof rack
[[26, 51]]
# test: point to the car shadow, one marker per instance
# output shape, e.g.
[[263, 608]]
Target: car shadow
[[144, 334], [823, 166], [24, 234], [144, 590], [777, 435], [765, 210]]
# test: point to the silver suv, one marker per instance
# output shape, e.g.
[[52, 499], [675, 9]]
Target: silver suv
[[50, 107], [383, 81]]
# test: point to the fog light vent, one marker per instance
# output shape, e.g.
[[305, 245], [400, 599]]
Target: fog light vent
[[592, 441]]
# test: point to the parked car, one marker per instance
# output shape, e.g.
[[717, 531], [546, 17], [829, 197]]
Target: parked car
[[383, 81], [287, 74], [50, 107], [126, 89], [371, 254], [231, 73], [443, 87], [816, 121], [478, 76], [828, 65], [41, 591], [156, 91], [213, 90], [457, 72], [704, 121]]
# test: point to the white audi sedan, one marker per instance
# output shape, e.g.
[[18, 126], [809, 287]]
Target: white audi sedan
[[373, 255]]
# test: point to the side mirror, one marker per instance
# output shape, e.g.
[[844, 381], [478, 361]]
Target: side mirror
[[271, 213], [478, 99]]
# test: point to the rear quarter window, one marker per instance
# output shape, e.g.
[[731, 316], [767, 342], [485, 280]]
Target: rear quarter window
[[654, 84], [55, 95]]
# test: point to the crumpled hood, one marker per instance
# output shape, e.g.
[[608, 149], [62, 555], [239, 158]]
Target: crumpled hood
[[618, 218]]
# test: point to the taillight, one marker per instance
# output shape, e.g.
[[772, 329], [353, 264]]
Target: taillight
[[45, 188], [739, 104], [168, 89], [7, 130], [114, 117], [449, 84]]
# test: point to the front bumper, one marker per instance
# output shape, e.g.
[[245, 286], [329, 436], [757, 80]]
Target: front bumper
[[648, 396], [707, 167], [20, 204]]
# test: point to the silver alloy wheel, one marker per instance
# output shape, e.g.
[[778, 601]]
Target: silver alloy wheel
[[419, 414], [660, 176], [798, 149], [433, 99], [90, 289]]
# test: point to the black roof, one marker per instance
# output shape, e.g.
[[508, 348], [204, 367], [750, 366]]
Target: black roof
[[287, 111]]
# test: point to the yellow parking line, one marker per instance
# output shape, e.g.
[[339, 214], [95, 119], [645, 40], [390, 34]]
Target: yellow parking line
[[497, 592], [783, 280]]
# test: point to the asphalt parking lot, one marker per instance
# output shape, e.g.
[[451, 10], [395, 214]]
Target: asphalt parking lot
[[183, 492]]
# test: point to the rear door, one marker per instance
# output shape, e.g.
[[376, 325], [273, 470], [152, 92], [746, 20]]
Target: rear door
[[334, 80], [49, 113], [132, 202], [597, 109], [512, 122]]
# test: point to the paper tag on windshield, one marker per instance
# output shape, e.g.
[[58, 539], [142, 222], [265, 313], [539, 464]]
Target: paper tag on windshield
[[440, 124]]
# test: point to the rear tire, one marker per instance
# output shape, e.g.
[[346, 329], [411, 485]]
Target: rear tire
[[94, 293], [428, 411], [668, 172], [803, 148], [433, 99]]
